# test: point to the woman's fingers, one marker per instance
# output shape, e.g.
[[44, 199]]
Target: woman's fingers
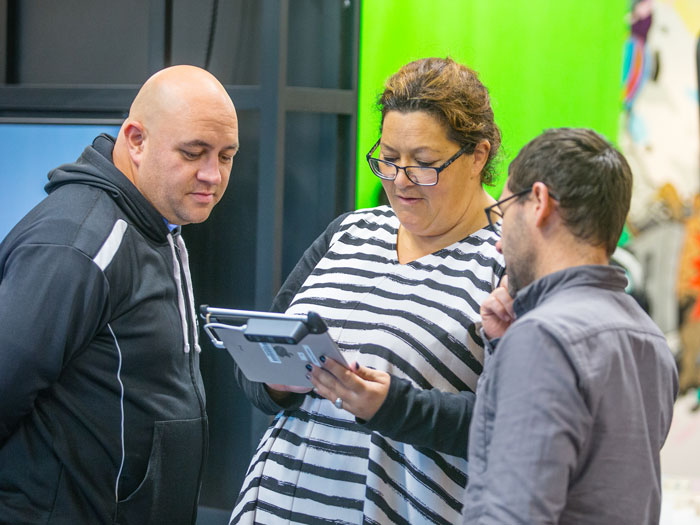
[[361, 389]]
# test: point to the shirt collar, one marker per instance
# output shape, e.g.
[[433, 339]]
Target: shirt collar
[[602, 276], [171, 227]]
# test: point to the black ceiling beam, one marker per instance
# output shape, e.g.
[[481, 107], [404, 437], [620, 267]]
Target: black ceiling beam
[[51, 101]]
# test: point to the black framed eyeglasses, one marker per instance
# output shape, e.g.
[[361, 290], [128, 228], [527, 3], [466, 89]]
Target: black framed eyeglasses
[[420, 175], [494, 213]]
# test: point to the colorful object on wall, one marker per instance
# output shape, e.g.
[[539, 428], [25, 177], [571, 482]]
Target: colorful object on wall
[[661, 140], [633, 69], [660, 136], [636, 66], [689, 305]]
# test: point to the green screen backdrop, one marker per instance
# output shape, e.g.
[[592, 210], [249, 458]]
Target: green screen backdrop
[[546, 64]]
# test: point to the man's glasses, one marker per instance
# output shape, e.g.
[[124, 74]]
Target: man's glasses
[[420, 175], [494, 213]]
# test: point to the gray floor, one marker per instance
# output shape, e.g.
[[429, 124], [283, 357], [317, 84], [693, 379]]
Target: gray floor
[[680, 466]]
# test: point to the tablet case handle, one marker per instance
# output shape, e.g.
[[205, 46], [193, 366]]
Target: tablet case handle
[[314, 322], [212, 335]]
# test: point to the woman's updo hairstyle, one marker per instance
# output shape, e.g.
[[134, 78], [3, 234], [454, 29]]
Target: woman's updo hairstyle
[[454, 95]]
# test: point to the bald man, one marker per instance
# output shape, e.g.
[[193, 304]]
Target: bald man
[[102, 409]]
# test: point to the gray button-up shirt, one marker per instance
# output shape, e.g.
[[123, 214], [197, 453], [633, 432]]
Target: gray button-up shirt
[[572, 408]]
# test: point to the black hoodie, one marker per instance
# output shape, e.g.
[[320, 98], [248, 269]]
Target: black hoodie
[[102, 415]]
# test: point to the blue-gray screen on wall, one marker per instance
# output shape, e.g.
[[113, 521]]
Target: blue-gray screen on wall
[[27, 153]]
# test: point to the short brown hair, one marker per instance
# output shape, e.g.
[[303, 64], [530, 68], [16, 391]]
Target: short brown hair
[[591, 179], [454, 95]]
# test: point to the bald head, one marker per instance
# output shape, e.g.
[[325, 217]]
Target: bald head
[[181, 125], [178, 89]]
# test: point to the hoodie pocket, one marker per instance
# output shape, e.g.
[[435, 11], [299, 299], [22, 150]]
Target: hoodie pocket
[[170, 488]]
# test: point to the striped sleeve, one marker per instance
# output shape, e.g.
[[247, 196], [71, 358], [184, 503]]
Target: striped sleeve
[[425, 418]]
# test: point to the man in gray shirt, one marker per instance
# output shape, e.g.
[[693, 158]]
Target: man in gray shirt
[[578, 387]]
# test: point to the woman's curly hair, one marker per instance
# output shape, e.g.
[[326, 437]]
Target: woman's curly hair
[[452, 93]]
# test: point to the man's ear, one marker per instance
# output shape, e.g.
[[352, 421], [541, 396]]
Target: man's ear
[[481, 155], [544, 204], [135, 135]]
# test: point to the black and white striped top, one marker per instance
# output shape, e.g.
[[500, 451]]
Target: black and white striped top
[[416, 321]]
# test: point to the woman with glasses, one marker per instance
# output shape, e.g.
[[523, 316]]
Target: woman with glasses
[[399, 286]]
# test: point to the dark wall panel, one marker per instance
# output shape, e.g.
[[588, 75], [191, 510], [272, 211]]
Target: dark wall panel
[[234, 50], [79, 42], [320, 35], [314, 170]]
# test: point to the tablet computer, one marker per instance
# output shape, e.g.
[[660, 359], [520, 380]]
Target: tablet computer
[[271, 347]]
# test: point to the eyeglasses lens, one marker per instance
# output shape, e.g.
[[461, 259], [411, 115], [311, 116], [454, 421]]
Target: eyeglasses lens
[[424, 176]]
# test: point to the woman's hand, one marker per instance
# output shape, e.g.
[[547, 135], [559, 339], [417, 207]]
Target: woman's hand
[[497, 312], [279, 393], [361, 389]]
